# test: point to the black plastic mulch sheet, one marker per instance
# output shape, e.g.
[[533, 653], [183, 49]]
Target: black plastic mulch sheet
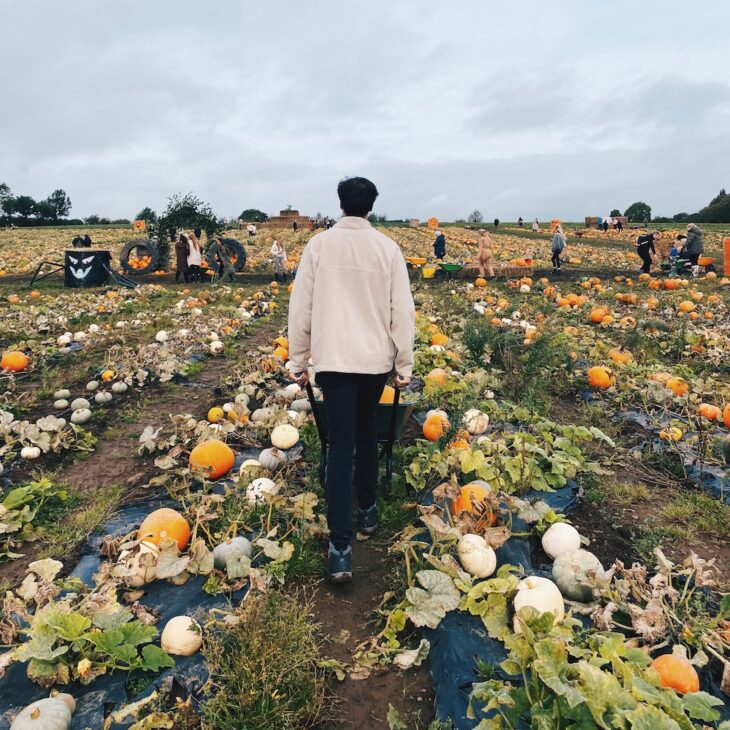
[[460, 639], [98, 699]]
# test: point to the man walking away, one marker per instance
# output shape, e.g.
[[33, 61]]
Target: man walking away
[[557, 248], [352, 310], [439, 245], [645, 245], [182, 249], [694, 247]]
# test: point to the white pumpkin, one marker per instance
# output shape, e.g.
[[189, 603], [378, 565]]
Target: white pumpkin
[[475, 421], [242, 399], [538, 593], [161, 336], [65, 339], [476, 557], [81, 416], [560, 538], [80, 336], [119, 388], [301, 405], [262, 414], [284, 436], [92, 386], [61, 404], [103, 397], [272, 459], [216, 347], [524, 289], [250, 464], [571, 572], [258, 488], [51, 713], [62, 394], [30, 453], [182, 636], [234, 547], [78, 403]]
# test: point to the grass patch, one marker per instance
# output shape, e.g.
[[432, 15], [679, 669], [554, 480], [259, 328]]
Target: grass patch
[[61, 536], [646, 539], [700, 511], [264, 671]]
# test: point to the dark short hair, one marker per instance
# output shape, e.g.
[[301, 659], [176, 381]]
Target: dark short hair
[[357, 195], [197, 232]]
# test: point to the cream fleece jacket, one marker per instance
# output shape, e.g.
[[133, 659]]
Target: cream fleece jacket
[[351, 306]]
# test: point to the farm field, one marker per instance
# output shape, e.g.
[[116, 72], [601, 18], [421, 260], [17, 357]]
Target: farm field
[[555, 543]]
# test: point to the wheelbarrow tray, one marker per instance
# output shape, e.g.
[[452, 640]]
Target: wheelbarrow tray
[[451, 268], [415, 260], [385, 415]]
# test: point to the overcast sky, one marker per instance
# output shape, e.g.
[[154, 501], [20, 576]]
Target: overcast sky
[[531, 108]]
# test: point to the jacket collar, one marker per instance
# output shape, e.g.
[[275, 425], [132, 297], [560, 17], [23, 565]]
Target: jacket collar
[[352, 221]]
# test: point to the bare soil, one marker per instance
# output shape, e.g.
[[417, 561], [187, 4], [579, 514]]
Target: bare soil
[[346, 614]]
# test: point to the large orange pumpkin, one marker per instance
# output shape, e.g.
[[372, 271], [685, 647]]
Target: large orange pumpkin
[[433, 428], [686, 306], [481, 281], [726, 416], [439, 339], [437, 376], [600, 377], [671, 284], [675, 672], [469, 497], [598, 314], [709, 411], [14, 360], [162, 523], [212, 458]]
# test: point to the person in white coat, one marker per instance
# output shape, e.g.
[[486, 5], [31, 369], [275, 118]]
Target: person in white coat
[[352, 311]]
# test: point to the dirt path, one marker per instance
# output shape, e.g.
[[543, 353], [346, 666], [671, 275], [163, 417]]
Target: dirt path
[[346, 614]]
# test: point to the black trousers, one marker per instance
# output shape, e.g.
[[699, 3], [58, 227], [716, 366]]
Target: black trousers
[[351, 402], [646, 259], [556, 259], [693, 258]]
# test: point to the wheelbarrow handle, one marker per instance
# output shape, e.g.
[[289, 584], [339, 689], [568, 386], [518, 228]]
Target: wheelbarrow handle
[[315, 413], [394, 413]]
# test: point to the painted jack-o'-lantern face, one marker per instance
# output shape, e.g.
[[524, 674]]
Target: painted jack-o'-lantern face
[[79, 265], [87, 268]]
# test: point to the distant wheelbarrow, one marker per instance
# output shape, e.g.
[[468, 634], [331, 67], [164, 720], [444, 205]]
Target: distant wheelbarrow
[[392, 418], [415, 261], [450, 269]]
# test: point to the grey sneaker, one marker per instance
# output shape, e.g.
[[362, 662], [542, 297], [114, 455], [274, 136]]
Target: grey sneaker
[[367, 520], [340, 564]]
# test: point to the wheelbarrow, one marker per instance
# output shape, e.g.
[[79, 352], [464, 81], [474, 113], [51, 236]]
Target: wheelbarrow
[[392, 418], [450, 269], [415, 261], [683, 266]]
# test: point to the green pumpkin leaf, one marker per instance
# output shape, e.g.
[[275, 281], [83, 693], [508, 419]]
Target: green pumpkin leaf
[[155, 659], [699, 705]]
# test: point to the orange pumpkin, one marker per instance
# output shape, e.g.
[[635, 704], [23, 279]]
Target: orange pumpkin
[[600, 377], [481, 281], [434, 427], [675, 672], [709, 411], [660, 377], [678, 386], [162, 523], [469, 497], [620, 356], [107, 375], [14, 360], [671, 284], [439, 339], [598, 314], [388, 395], [212, 458], [281, 352], [726, 416], [686, 306], [437, 376]]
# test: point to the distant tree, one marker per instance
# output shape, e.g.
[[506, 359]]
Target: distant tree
[[638, 212], [375, 218], [615, 212], [147, 215], [475, 217], [44, 209], [5, 192], [254, 215], [122, 221], [25, 206], [7, 201], [95, 220], [718, 211], [680, 217], [184, 211], [60, 204]]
